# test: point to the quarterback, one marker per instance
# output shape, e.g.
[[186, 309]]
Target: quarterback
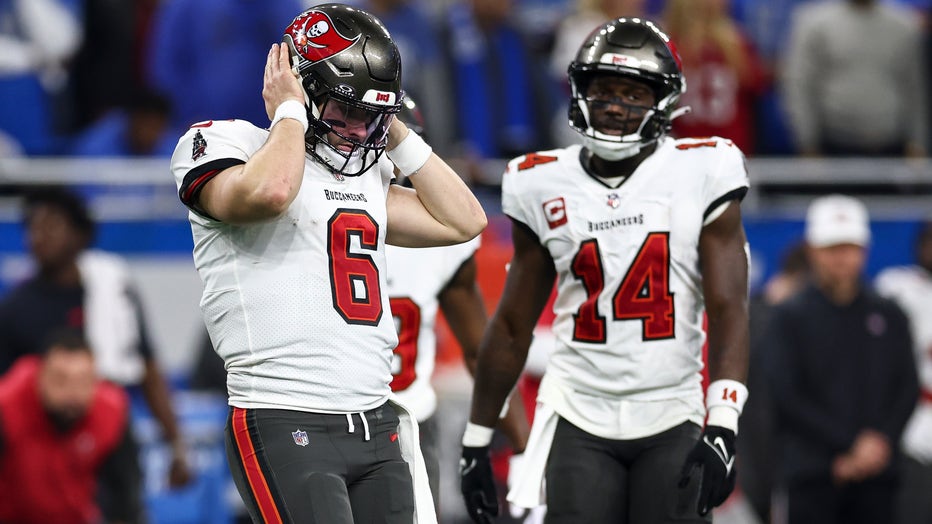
[[290, 225], [642, 236]]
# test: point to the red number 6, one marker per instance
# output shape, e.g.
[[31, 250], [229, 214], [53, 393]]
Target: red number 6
[[354, 277]]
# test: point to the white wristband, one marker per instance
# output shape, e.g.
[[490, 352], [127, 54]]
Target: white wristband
[[728, 393], [290, 109], [411, 154], [477, 436], [724, 417]]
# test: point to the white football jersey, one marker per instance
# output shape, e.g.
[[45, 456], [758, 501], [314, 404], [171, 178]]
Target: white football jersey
[[296, 306], [911, 288], [416, 276], [629, 306]]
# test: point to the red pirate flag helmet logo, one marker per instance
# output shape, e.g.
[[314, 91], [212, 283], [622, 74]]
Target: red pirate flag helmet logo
[[316, 38]]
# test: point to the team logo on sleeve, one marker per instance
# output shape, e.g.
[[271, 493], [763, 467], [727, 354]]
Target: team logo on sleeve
[[300, 437], [200, 146], [555, 212], [315, 37]]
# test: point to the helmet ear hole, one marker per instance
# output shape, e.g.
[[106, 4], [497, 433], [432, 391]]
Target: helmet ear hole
[[576, 117]]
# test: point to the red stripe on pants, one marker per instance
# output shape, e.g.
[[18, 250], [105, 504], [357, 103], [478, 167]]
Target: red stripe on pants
[[247, 455]]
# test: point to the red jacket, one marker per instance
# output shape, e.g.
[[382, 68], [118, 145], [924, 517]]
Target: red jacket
[[722, 102], [48, 476]]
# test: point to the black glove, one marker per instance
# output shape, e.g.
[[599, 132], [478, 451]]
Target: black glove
[[714, 457], [477, 485]]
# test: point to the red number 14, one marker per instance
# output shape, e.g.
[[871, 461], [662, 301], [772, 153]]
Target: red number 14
[[644, 293]]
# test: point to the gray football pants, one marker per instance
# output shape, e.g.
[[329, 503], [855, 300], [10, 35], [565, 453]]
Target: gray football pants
[[313, 468]]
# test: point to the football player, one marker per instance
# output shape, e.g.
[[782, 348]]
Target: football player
[[911, 287], [290, 225], [642, 234], [421, 281]]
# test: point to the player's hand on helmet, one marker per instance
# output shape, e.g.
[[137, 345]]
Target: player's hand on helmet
[[279, 82], [713, 460], [477, 484], [397, 132]]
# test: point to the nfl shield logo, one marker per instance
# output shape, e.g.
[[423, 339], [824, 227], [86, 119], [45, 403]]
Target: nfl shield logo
[[300, 437], [613, 200]]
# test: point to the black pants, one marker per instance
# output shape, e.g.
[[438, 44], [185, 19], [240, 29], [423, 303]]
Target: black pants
[[297, 467], [595, 480], [820, 501]]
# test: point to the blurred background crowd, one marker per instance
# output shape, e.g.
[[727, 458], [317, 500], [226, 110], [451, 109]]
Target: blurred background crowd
[[778, 77], [823, 96]]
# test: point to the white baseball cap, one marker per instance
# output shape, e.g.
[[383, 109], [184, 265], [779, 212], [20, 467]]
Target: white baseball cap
[[837, 219]]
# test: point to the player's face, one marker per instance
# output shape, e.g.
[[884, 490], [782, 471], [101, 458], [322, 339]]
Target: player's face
[[617, 104], [67, 384], [350, 124]]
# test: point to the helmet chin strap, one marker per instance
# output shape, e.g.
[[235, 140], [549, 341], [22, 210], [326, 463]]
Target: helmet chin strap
[[612, 151], [337, 162]]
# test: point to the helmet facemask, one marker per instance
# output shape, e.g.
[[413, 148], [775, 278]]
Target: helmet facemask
[[613, 128], [346, 135]]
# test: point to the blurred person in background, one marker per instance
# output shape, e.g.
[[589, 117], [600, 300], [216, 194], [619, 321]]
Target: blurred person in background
[[498, 89], [64, 432], [724, 71], [198, 46], [839, 363], [141, 128], [415, 30], [89, 290], [640, 233], [586, 16], [572, 31], [37, 39], [110, 66], [103, 66], [853, 80], [911, 288], [755, 447], [767, 24]]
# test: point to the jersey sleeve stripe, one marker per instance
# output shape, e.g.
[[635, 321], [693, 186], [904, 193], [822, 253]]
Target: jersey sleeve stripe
[[734, 194], [194, 182]]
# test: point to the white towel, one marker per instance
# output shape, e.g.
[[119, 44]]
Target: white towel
[[528, 489], [111, 323], [409, 440]]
